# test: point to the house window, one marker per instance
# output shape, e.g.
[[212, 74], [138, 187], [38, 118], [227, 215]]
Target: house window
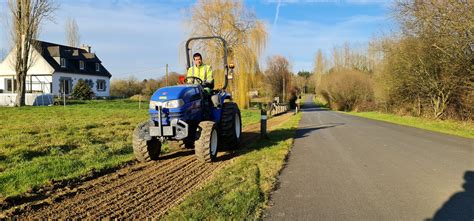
[[100, 85], [65, 85], [9, 85], [81, 65], [97, 67], [90, 83], [63, 62]]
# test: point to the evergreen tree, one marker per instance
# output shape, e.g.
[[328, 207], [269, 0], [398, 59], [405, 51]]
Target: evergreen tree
[[82, 91]]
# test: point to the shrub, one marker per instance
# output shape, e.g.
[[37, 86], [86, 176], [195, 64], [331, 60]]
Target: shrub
[[347, 90], [82, 91], [139, 97]]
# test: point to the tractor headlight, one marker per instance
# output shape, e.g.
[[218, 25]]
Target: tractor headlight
[[167, 104], [173, 103], [154, 104]]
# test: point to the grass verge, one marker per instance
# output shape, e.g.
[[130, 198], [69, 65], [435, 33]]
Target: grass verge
[[462, 129], [41, 144], [241, 190]]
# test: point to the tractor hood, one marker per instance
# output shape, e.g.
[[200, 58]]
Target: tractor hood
[[185, 92]]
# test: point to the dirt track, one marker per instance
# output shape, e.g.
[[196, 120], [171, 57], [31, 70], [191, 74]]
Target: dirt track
[[142, 190]]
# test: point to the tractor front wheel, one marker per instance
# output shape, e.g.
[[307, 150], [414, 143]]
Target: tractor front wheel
[[206, 146], [145, 148]]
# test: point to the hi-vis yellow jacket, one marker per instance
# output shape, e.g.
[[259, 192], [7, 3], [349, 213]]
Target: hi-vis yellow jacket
[[204, 72]]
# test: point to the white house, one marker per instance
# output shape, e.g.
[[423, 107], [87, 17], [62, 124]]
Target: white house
[[55, 69]]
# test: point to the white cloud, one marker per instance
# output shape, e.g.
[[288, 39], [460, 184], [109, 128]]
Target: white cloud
[[277, 12]]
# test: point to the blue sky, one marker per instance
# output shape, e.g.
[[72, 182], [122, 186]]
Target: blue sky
[[138, 38]]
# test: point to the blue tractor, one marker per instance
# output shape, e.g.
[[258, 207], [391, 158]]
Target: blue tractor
[[188, 114]]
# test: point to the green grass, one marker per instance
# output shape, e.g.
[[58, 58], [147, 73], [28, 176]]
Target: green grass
[[463, 129], [39, 144], [250, 116], [241, 190]]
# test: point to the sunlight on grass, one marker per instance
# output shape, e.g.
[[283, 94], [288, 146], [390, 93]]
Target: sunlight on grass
[[463, 129]]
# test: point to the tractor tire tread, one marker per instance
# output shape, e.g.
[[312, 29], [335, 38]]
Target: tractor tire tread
[[227, 125], [202, 145], [142, 147]]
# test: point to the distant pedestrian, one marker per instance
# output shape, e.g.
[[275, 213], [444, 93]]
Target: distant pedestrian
[[297, 102]]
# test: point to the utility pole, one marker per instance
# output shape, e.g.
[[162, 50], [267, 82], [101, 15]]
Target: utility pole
[[166, 74], [64, 93], [284, 82]]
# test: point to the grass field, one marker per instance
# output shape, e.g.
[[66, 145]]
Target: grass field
[[241, 190], [39, 144], [462, 129]]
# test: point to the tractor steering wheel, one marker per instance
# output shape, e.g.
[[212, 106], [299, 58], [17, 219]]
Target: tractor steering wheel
[[194, 78]]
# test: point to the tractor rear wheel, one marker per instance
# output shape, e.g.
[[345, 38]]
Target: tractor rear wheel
[[145, 148], [231, 126], [206, 146]]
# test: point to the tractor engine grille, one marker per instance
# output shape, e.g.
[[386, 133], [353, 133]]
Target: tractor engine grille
[[167, 117]]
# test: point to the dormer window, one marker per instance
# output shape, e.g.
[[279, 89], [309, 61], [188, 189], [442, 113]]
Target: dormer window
[[63, 62], [97, 67], [81, 65]]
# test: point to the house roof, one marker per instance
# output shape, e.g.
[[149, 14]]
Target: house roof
[[52, 53]]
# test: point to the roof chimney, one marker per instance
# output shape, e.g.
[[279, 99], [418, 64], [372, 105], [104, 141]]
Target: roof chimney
[[87, 48]]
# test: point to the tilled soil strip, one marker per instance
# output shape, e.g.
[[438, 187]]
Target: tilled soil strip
[[143, 190]]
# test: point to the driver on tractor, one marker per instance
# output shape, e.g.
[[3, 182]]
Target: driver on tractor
[[203, 72]]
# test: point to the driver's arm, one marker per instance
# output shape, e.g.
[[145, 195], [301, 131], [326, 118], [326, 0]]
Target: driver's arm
[[209, 77], [189, 74]]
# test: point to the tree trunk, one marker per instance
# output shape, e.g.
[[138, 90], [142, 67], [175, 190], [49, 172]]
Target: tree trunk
[[20, 90]]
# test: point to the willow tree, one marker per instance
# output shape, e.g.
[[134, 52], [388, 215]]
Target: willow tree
[[245, 35]]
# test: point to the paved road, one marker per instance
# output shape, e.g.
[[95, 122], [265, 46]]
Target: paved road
[[349, 168]]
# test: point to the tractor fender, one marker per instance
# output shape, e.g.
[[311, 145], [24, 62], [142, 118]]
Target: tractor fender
[[219, 99], [226, 98]]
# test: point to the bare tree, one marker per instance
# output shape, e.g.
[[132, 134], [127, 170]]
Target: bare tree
[[431, 64], [278, 76], [73, 38], [27, 16]]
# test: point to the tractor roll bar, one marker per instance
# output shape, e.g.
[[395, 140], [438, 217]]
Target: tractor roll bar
[[226, 66]]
